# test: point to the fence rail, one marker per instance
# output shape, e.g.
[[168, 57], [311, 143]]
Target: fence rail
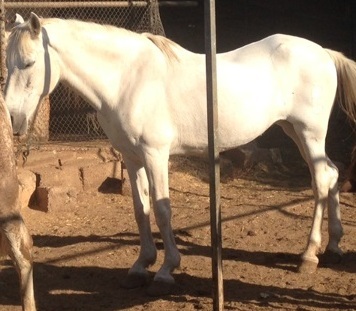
[[79, 4]]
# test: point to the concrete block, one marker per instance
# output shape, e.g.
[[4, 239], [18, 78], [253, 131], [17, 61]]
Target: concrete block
[[27, 181], [54, 198], [106, 177], [67, 177]]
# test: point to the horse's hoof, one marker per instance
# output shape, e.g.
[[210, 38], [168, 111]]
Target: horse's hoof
[[161, 288], [330, 258], [134, 280], [307, 266]]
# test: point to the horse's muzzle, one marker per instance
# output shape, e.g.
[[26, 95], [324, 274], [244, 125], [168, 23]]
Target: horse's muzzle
[[19, 125]]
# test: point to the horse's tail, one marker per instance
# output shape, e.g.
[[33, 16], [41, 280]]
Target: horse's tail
[[346, 83]]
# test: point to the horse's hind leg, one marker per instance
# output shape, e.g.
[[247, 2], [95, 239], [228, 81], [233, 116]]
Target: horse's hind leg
[[334, 215], [324, 183], [17, 243], [325, 188], [138, 274]]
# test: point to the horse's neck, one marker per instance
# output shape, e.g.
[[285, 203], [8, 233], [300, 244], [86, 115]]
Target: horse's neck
[[93, 63]]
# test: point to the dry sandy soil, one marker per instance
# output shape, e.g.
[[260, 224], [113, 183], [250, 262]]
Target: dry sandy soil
[[84, 249]]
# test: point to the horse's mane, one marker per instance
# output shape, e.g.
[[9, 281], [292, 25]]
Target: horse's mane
[[165, 45], [80, 24]]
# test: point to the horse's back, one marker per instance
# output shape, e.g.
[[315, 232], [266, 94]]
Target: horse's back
[[278, 78], [288, 72], [284, 45], [284, 53]]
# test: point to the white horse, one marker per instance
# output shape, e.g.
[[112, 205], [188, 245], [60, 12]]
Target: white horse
[[150, 96]]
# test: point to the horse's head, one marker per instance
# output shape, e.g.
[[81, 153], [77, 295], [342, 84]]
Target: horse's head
[[32, 72]]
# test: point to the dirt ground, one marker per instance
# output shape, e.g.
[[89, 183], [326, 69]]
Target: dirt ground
[[83, 250]]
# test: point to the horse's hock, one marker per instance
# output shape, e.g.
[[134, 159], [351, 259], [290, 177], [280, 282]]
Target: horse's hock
[[51, 179]]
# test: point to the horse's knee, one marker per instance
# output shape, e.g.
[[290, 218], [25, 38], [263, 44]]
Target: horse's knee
[[333, 174]]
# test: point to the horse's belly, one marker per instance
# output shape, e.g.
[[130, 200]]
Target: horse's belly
[[241, 133], [236, 127], [248, 110], [244, 114]]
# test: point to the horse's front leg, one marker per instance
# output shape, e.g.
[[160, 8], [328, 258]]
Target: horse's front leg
[[138, 275], [157, 171]]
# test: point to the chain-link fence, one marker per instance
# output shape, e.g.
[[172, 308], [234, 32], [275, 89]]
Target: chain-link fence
[[64, 116]]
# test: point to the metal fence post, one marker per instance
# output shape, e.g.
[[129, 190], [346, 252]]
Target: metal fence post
[[2, 45], [213, 138]]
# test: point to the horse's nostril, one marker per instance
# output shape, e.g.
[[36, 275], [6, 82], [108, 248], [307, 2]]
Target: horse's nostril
[[12, 120]]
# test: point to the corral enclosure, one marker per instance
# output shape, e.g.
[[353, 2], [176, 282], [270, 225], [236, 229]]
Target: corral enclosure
[[83, 248]]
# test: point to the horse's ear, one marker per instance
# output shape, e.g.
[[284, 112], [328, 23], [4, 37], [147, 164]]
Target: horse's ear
[[14, 20], [18, 19], [35, 24]]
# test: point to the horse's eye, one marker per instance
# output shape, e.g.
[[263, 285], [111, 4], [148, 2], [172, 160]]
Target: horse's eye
[[30, 64]]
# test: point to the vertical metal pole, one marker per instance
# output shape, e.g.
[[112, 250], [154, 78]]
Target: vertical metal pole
[[2, 45], [212, 109]]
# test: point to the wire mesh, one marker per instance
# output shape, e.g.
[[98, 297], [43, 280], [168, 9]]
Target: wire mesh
[[65, 116]]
